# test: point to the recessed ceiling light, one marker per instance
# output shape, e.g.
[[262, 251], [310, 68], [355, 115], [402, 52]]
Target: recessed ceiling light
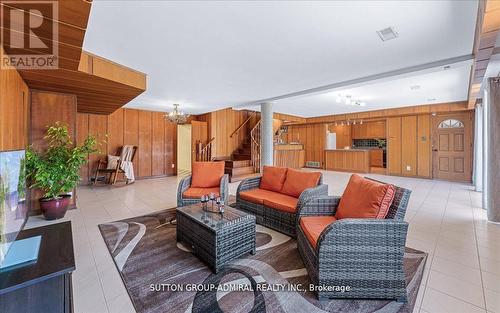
[[415, 87], [387, 33]]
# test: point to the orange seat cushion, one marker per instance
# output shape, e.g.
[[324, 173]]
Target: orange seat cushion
[[312, 226], [297, 181], [273, 178], [364, 198], [207, 174], [271, 199], [196, 193], [256, 195], [282, 202]]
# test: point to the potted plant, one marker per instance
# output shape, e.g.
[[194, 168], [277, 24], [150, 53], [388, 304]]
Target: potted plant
[[56, 171]]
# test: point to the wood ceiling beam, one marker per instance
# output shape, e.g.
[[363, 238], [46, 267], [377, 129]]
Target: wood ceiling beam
[[487, 29], [101, 86]]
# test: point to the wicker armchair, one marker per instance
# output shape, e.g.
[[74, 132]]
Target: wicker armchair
[[185, 183], [283, 222], [364, 254]]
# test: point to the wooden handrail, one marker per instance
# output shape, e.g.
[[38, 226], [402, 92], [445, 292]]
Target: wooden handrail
[[256, 124], [255, 135], [210, 142], [204, 153], [243, 124]]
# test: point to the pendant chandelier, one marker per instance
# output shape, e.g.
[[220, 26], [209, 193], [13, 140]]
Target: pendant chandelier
[[177, 116]]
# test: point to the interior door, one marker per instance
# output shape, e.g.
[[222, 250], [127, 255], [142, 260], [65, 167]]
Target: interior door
[[451, 146], [184, 149]]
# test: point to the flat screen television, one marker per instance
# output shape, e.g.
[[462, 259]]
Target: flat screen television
[[13, 206]]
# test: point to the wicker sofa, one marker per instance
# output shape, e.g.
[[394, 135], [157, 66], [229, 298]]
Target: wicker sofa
[[275, 209], [206, 177], [363, 253]]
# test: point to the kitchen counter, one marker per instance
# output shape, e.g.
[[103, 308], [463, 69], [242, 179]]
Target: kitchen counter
[[348, 150], [289, 155], [295, 146], [348, 160]]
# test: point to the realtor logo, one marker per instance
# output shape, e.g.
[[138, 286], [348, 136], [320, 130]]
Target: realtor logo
[[30, 34]]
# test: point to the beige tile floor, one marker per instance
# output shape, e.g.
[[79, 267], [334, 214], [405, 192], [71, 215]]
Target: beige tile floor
[[446, 220]]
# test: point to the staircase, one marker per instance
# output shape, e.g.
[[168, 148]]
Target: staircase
[[240, 165], [245, 161]]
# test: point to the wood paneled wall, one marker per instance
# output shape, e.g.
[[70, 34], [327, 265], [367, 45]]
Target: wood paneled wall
[[221, 124], [409, 144], [424, 146], [199, 134], [14, 109], [155, 138], [313, 137], [394, 145], [395, 112], [46, 109]]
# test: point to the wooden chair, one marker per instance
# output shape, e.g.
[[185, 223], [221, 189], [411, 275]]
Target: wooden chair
[[102, 166]]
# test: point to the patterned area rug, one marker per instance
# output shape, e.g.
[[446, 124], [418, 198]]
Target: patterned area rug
[[152, 264]]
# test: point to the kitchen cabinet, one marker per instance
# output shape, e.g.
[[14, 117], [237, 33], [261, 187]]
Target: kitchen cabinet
[[369, 130], [377, 158]]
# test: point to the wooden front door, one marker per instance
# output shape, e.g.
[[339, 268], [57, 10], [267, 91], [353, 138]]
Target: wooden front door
[[451, 146]]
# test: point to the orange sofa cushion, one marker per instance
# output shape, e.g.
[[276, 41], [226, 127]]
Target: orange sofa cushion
[[364, 198], [312, 226], [256, 195], [196, 193], [297, 181], [207, 174], [282, 202], [271, 199], [273, 178]]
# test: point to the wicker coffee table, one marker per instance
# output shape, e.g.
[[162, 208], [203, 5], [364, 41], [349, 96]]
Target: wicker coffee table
[[215, 238]]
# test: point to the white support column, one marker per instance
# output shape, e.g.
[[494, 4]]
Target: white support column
[[267, 148], [492, 145], [478, 148]]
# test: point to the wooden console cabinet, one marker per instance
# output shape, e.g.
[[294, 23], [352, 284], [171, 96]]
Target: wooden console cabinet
[[44, 286]]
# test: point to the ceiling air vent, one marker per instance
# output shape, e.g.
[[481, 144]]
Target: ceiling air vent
[[387, 34]]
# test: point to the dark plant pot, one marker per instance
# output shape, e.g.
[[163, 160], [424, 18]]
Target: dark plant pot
[[54, 209]]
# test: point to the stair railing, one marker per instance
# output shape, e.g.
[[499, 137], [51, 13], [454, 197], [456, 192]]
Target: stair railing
[[255, 136], [204, 152], [243, 124]]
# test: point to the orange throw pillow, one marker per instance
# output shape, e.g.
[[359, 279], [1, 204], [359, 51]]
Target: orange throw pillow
[[207, 174], [297, 181], [364, 198], [273, 178]]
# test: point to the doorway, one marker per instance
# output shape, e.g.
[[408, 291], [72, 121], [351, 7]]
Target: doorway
[[451, 147], [184, 149]]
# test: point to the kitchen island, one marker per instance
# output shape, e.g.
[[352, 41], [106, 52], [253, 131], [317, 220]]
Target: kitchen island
[[289, 155], [348, 160]]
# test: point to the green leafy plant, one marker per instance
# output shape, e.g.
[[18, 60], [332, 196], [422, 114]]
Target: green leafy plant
[[21, 191], [56, 171], [381, 142]]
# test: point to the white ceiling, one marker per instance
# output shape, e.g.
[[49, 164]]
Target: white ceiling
[[210, 55], [436, 86]]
